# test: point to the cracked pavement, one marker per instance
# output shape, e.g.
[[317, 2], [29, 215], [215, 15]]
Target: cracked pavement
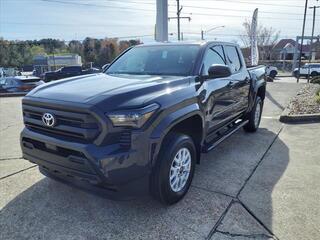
[[252, 186]]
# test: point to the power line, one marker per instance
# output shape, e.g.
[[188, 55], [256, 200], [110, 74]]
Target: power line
[[66, 24], [96, 5], [252, 3], [150, 10], [242, 10], [207, 7]]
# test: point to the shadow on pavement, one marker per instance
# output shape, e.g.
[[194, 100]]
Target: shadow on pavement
[[257, 194], [274, 101], [228, 169], [51, 210]]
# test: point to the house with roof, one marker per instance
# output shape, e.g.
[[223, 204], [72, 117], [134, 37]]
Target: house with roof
[[285, 48]]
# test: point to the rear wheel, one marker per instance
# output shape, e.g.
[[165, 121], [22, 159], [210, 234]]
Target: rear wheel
[[174, 170], [273, 73], [254, 116], [314, 74]]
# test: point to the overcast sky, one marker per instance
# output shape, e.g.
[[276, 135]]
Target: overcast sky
[[77, 19]]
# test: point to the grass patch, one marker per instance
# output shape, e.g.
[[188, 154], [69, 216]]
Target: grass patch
[[318, 96]]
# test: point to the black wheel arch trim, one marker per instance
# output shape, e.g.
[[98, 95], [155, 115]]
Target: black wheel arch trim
[[169, 122]]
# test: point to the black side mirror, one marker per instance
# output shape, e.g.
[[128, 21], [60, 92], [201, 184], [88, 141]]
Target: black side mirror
[[219, 71]]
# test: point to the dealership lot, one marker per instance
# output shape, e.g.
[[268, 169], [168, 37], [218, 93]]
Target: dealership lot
[[263, 185]]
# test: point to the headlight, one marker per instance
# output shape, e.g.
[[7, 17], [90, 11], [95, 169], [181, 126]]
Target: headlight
[[132, 118]]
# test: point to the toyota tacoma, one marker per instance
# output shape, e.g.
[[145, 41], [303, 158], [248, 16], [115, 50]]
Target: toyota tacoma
[[141, 126]]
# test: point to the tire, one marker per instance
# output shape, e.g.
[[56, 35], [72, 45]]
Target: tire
[[273, 73], [254, 116], [314, 74], [163, 176], [296, 74]]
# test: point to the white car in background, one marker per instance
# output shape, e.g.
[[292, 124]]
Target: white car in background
[[313, 69], [271, 71]]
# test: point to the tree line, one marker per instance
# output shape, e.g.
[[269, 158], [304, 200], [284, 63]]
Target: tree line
[[98, 51]]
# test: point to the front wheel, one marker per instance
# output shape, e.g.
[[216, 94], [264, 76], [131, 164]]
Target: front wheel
[[173, 173], [254, 116]]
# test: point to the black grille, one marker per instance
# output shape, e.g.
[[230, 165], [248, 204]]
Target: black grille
[[79, 126]]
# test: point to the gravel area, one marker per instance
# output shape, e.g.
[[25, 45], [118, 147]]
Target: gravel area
[[304, 102]]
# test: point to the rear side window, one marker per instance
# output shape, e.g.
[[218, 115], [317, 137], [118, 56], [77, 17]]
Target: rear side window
[[233, 58], [213, 55]]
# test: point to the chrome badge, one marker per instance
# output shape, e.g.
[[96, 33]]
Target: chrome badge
[[48, 119]]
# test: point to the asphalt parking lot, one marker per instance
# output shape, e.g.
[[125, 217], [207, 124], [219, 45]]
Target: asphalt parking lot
[[263, 185]]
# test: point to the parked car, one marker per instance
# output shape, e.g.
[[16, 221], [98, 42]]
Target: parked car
[[64, 72], [271, 71], [141, 126], [312, 69], [69, 71], [20, 83], [2, 81]]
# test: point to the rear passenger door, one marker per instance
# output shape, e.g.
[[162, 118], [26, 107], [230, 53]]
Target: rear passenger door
[[240, 80]]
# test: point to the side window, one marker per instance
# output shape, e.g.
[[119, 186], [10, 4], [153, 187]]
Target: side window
[[213, 55], [233, 58]]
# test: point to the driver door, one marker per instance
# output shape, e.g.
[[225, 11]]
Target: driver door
[[219, 99]]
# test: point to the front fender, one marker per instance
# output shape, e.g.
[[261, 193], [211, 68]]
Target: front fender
[[168, 122]]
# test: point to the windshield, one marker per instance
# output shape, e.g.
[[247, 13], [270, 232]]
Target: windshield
[[156, 60]]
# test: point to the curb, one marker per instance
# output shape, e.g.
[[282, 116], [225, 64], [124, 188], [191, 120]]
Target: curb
[[12, 94], [303, 118]]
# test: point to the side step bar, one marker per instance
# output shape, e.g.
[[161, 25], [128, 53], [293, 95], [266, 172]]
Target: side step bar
[[209, 146]]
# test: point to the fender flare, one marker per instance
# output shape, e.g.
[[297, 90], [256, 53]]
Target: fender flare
[[170, 121], [258, 84]]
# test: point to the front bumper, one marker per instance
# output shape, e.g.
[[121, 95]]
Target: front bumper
[[109, 170]]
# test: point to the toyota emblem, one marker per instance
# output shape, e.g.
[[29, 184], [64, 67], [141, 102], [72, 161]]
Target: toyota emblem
[[48, 119]]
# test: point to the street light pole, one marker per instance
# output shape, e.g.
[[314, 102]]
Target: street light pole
[[302, 38], [312, 35], [211, 29]]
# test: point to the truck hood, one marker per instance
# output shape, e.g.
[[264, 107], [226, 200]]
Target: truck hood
[[118, 89]]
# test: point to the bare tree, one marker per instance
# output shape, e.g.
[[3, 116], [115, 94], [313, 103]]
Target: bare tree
[[266, 38]]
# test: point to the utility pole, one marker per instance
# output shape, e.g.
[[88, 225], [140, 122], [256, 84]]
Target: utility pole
[[178, 17], [312, 36], [302, 37], [161, 31]]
